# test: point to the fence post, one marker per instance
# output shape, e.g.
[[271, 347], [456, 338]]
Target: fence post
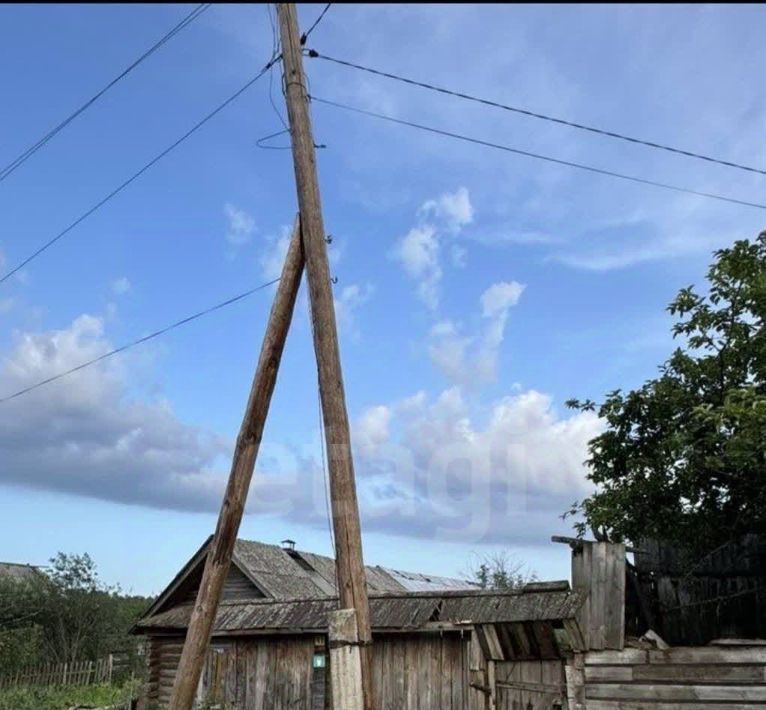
[[109, 668]]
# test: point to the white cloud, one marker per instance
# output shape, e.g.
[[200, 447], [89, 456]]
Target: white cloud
[[351, 298], [121, 285], [499, 297], [418, 251], [241, 225], [446, 474], [273, 257], [471, 360], [371, 431], [458, 255], [85, 435], [454, 208]]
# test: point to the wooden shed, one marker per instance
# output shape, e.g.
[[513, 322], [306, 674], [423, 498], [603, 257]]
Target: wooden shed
[[438, 642]]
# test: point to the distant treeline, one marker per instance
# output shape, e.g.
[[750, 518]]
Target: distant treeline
[[64, 614]]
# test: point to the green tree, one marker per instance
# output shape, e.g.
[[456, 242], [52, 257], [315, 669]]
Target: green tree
[[64, 615], [682, 458], [499, 570]]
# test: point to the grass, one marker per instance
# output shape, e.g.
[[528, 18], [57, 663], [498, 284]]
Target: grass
[[95, 696]]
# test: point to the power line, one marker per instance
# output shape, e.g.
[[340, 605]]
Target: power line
[[534, 114], [538, 156], [139, 341], [29, 152], [138, 174], [306, 34]]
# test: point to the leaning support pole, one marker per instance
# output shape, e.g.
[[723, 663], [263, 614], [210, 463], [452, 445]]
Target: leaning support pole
[[352, 584], [222, 544]]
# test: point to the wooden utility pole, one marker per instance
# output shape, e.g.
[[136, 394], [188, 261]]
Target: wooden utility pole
[[352, 586], [222, 545]]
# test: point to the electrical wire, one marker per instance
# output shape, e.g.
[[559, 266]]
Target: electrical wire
[[538, 156], [31, 150], [139, 341], [137, 174], [325, 472], [306, 34], [533, 114]]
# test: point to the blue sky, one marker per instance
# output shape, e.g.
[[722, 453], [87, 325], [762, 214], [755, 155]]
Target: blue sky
[[476, 292]]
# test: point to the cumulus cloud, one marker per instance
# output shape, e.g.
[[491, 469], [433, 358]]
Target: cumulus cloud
[[372, 430], [471, 359], [419, 251], [503, 471], [241, 225], [121, 285], [85, 435], [446, 466], [454, 208]]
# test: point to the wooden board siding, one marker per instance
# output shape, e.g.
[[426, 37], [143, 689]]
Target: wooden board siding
[[531, 685], [410, 671], [598, 572], [420, 671], [681, 678], [236, 587], [721, 595]]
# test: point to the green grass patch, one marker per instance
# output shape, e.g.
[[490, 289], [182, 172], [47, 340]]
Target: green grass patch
[[102, 695]]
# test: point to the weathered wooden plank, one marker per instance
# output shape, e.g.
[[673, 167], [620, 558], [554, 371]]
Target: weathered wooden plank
[[493, 643], [648, 705], [609, 673], [621, 691], [626, 656], [705, 673], [709, 654]]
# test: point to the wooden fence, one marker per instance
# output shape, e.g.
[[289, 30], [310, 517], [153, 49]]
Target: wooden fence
[[63, 674], [679, 678]]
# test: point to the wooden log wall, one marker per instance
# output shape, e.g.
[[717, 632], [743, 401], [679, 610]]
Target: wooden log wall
[[163, 657], [679, 678]]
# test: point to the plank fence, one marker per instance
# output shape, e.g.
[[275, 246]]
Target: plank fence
[[76, 673]]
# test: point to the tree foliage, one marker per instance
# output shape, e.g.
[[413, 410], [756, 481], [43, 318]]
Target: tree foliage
[[63, 615], [682, 457], [499, 570]]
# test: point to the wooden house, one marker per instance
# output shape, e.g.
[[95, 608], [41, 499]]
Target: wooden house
[[438, 642]]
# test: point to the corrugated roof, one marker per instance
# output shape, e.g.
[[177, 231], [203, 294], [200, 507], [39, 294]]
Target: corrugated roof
[[294, 574], [416, 582], [392, 611], [284, 574]]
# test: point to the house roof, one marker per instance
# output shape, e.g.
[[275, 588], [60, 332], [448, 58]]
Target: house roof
[[18, 572], [281, 574], [538, 602]]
